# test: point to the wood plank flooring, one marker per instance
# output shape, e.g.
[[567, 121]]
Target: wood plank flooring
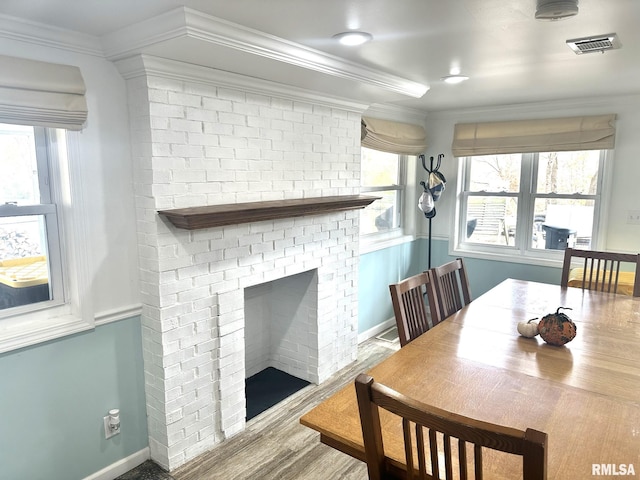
[[274, 446]]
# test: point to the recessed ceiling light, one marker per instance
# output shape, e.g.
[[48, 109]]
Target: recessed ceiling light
[[556, 9], [453, 79], [353, 38]]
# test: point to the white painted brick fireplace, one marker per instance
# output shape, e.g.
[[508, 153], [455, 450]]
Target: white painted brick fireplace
[[281, 326], [204, 137]]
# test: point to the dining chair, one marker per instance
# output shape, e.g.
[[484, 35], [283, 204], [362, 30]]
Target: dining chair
[[601, 271], [452, 287], [408, 299], [437, 434]]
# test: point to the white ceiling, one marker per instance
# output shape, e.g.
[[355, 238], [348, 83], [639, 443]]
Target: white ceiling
[[511, 57]]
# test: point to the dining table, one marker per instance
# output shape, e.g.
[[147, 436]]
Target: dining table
[[585, 394]]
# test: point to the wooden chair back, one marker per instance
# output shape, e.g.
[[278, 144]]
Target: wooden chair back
[[435, 432], [410, 306], [452, 287], [600, 270]]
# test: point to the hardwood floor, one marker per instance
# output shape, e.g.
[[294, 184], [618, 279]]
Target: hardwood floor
[[274, 446]]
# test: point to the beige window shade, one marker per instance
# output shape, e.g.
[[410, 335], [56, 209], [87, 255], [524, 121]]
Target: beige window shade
[[41, 93], [526, 136], [393, 137]]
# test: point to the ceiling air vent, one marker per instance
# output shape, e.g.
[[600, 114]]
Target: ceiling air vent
[[597, 43]]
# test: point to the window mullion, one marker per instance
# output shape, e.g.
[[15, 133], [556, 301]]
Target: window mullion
[[597, 230], [528, 177], [42, 159], [54, 254], [569, 196], [464, 194], [25, 210]]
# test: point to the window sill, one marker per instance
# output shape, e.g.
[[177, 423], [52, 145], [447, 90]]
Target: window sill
[[555, 259], [36, 327]]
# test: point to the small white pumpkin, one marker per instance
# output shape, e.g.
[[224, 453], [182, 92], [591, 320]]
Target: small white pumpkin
[[528, 329]]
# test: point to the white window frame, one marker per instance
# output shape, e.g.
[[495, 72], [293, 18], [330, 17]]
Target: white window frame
[[48, 209], [71, 310], [379, 240], [522, 252]]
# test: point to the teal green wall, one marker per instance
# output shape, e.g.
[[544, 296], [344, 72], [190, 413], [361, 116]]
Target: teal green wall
[[54, 396], [486, 274], [380, 268]]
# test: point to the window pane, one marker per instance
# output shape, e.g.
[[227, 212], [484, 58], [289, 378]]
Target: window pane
[[379, 169], [24, 275], [560, 223], [491, 220], [19, 179], [568, 172], [381, 215], [495, 173], [560, 194]]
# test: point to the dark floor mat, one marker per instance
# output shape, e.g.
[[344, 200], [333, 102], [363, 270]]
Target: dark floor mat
[[146, 471], [268, 387]]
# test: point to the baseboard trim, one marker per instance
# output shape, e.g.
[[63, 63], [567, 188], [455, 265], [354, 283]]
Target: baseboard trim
[[372, 332], [121, 466]]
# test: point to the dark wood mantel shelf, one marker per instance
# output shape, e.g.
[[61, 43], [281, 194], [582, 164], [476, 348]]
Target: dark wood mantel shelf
[[193, 218]]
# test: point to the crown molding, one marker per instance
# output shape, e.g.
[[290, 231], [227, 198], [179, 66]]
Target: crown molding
[[135, 38], [396, 113], [14, 28], [146, 65], [605, 103], [184, 22]]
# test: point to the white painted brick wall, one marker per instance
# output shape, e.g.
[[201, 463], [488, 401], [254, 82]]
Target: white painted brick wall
[[196, 143], [257, 312], [281, 326]]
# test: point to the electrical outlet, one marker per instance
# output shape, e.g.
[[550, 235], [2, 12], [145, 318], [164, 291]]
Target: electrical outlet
[[108, 431], [633, 217]]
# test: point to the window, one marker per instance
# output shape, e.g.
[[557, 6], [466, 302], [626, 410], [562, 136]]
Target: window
[[45, 269], [531, 204], [30, 266], [45, 279], [382, 175]]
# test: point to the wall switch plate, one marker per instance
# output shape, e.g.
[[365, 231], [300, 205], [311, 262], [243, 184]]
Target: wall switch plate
[[108, 433], [633, 217]]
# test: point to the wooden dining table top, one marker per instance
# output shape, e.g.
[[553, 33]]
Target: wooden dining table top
[[584, 395]]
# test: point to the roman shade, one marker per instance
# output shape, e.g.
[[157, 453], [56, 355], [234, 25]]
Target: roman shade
[[393, 137], [526, 136], [41, 93]]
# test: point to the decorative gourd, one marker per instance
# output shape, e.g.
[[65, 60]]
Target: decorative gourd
[[528, 329], [557, 328]]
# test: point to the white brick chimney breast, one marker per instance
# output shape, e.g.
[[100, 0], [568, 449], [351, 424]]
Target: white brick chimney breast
[[205, 137]]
